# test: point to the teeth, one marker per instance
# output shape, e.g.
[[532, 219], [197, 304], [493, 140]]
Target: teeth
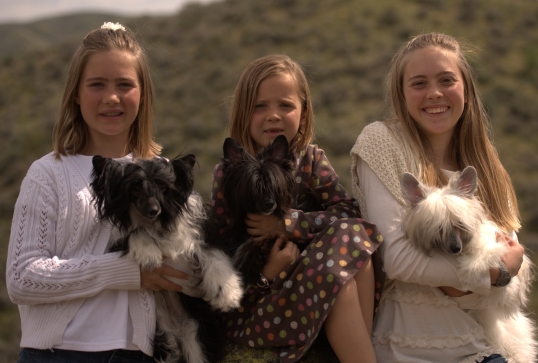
[[436, 110]]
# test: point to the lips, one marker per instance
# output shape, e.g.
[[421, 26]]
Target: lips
[[272, 131], [111, 114], [434, 110]]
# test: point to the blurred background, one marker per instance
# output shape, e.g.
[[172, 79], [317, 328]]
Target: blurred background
[[198, 49]]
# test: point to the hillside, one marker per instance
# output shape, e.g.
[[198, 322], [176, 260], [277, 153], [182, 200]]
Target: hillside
[[345, 46]]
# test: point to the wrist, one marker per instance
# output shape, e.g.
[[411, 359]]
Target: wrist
[[504, 276], [264, 282]]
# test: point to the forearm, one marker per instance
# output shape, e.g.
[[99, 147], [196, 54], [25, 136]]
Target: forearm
[[47, 280], [402, 260]]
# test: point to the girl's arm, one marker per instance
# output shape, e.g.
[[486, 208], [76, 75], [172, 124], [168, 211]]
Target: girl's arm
[[316, 174], [218, 213], [38, 270], [402, 260]]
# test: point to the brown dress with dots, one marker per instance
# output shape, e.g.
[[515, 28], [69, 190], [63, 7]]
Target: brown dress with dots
[[335, 242]]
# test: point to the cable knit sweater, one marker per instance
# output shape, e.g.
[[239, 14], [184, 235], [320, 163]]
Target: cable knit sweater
[[56, 257]]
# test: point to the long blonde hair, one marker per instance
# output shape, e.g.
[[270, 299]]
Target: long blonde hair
[[245, 97], [71, 134], [471, 142]]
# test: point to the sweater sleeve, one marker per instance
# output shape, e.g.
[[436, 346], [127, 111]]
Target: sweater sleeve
[[402, 261], [53, 237], [316, 175]]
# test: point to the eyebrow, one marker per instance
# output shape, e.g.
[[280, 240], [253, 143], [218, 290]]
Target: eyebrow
[[443, 73], [106, 79]]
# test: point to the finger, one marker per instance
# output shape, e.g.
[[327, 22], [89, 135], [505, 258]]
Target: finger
[[166, 284], [173, 272], [254, 232], [254, 217]]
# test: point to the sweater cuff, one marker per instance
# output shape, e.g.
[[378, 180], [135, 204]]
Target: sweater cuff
[[119, 272]]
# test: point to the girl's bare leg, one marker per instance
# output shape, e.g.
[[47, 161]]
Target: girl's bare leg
[[366, 289], [346, 328]]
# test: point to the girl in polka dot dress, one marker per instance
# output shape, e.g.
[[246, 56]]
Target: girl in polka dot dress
[[326, 274]]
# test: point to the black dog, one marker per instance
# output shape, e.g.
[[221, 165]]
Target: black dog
[[156, 213], [260, 184]]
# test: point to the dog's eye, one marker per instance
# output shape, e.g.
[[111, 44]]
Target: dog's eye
[[161, 185], [136, 190]]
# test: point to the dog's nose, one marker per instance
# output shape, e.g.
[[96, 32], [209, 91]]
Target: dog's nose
[[153, 211], [455, 249], [266, 206]]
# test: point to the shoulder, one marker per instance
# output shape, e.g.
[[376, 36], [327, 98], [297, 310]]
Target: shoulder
[[376, 135]]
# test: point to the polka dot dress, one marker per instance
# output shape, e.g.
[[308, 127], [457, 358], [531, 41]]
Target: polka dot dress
[[335, 242]]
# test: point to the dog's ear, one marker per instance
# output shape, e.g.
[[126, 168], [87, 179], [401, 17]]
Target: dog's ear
[[190, 159], [184, 174], [99, 163], [411, 189], [232, 150], [279, 147], [466, 181]]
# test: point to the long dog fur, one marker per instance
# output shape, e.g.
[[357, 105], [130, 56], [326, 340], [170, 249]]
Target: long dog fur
[[452, 219], [156, 213], [260, 184]]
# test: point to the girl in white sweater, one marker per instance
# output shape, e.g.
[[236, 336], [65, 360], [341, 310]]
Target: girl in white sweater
[[76, 302], [440, 127]]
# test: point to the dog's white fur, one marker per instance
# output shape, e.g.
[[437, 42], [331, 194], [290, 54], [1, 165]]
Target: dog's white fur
[[444, 217], [211, 274]]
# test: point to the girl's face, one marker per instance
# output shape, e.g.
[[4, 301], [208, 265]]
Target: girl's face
[[277, 111], [434, 91], [109, 97]]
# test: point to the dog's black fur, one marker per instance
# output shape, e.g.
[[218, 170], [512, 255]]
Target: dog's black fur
[[151, 203], [260, 184]]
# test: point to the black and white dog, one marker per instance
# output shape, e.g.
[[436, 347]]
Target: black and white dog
[[452, 219], [260, 184], [156, 213]]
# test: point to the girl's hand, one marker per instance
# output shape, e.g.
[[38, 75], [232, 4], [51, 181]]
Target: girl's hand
[[156, 280], [260, 226], [513, 257], [279, 258]]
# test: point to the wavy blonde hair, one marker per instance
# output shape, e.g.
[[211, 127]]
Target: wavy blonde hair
[[245, 98], [71, 134], [471, 143]]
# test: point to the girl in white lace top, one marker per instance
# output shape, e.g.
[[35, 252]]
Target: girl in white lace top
[[74, 299], [440, 127]]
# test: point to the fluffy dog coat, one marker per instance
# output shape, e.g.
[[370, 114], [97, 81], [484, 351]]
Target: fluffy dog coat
[[156, 213], [452, 219], [260, 184]]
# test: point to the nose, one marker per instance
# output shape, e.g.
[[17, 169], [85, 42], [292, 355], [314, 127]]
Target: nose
[[273, 114], [434, 92], [111, 97]]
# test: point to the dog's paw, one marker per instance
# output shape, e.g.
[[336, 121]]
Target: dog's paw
[[229, 295], [221, 282]]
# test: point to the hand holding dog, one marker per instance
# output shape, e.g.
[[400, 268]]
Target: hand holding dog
[[261, 226], [156, 280], [513, 258], [279, 258]]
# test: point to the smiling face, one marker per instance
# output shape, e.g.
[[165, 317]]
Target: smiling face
[[434, 92], [277, 111], [109, 98]]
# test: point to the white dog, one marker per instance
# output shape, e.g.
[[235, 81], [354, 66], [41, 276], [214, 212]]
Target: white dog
[[452, 219]]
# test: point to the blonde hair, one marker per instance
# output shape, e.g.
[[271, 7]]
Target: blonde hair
[[71, 134], [245, 97], [471, 142]]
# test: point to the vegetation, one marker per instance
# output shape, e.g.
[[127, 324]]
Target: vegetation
[[345, 47]]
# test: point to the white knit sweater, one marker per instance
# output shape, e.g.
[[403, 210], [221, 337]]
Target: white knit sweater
[[56, 257]]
